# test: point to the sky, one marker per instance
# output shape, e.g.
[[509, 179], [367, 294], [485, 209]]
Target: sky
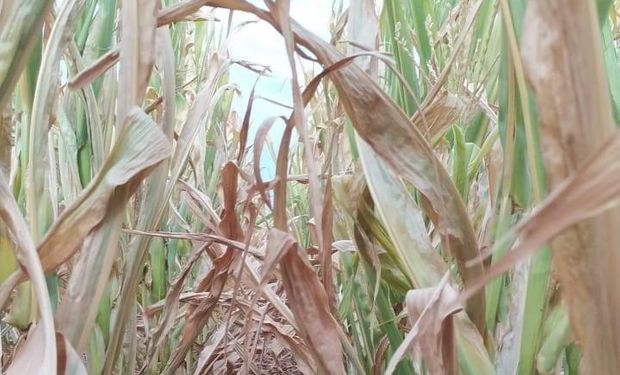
[[259, 43]]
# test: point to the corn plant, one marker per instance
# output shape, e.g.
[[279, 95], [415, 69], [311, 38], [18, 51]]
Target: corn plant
[[443, 200]]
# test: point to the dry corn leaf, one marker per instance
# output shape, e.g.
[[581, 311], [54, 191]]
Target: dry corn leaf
[[281, 14], [137, 51], [197, 316], [437, 117], [86, 76], [563, 59], [259, 141], [328, 238], [69, 362], [38, 191], [41, 343], [285, 334], [245, 124], [590, 191], [399, 213], [209, 349], [38, 345], [140, 146], [279, 241], [383, 125], [309, 303], [430, 312], [215, 281], [402, 218], [19, 18]]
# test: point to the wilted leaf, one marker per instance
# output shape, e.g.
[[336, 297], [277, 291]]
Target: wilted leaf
[[280, 11], [310, 305], [259, 141], [38, 194], [432, 334], [69, 362], [562, 55], [278, 243], [208, 350], [99, 67], [383, 125], [37, 356], [139, 147], [17, 40], [42, 343], [137, 51], [217, 277]]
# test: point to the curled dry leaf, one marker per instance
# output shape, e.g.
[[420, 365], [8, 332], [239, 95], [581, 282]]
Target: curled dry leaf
[[137, 51], [432, 335], [259, 141], [215, 281], [36, 346], [140, 146], [384, 126], [309, 303], [380, 122], [207, 352], [69, 361], [562, 55], [279, 241], [590, 191], [436, 118], [41, 343], [17, 20]]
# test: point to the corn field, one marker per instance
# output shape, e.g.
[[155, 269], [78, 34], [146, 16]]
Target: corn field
[[442, 197]]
